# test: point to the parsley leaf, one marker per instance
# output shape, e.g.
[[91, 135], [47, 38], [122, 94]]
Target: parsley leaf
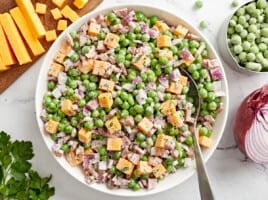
[[17, 180]]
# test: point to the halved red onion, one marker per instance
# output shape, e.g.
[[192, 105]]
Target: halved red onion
[[251, 126]]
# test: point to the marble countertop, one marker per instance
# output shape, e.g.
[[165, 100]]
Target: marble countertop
[[232, 176]]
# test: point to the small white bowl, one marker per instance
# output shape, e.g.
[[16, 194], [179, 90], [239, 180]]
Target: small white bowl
[[225, 50], [170, 181]]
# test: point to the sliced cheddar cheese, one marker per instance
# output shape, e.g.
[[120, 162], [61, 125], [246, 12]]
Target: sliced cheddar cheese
[[69, 13], [34, 44], [2, 66], [6, 51], [15, 39], [32, 18]]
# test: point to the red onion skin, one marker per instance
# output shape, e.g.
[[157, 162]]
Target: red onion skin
[[246, 114]]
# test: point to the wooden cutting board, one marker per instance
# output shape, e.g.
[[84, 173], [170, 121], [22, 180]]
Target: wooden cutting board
[[8, 77]]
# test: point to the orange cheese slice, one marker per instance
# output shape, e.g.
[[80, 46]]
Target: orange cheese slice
[[15, 39], [33, 42], [35, 23], [6, 51], [2, 66]]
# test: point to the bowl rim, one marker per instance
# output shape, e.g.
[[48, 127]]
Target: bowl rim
[[225, 32], [134, 6]]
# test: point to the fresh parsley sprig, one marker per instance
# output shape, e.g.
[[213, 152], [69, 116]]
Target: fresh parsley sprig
[[17, 179]]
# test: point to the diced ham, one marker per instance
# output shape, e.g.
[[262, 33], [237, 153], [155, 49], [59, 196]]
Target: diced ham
[[96, 144], [192, 36], [93, 104], [208, 125], [92, 52], [170, 144], [210, 63], [209, 118], [125, 142], [73, 144], [120, 182], [100, 18], [134, 157], [174, 153], [121, 12], [138, 150], [101, 47], [56, 149], [152, 182], [153, 161], [129, 121], [153, 32]]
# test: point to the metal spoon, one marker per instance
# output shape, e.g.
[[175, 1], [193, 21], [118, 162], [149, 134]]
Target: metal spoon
[[205, 189]]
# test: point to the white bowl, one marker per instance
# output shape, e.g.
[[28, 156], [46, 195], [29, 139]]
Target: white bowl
[[171, 180]]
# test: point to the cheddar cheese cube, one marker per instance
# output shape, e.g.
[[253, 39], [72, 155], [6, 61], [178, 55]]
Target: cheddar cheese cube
[[105, 100], [168, 107], [181, 31], [106, 85], [69, 13], [25, 30], [161, 26], [144, 168], [141, 61], [163, 41], [56, 14], [189, 60], [32, 18], [80, 3], [113, 125], [159, 170], [205, 141], [162, 140], [66, 107], [84, 136], [51, 35], [125, 166], [159, 151], [40, 8], [145, 125], [88, 151], [58, 3], [100, 68], [111, 40], [175, 119], [114, 144], [183, 80], [14, 38], [51, 126], [174, 88], [165, 53], [94, 28], [62, 25], [55, 69], [6, 51], [86, 66], [73, 159]]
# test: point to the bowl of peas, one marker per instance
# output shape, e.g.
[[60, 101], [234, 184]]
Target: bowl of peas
[[114, 108], [245, 46]]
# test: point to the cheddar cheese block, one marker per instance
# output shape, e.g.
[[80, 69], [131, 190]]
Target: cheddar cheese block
[[6, 51], [35, 23], [15, 39], [33, 42]]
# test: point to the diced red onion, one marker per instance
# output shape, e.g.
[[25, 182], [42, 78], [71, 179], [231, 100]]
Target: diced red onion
[[153, 33], [175, 75], [216, 73], [144, 28], [176, 41], [141, 97], [137, 80], [129, 87], [164, 81], [185, 54], [62, 78], [56, 93]]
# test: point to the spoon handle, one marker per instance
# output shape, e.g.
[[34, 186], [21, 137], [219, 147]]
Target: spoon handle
[[203, 180]]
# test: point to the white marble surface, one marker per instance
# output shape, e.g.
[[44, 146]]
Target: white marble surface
[[233, 177]]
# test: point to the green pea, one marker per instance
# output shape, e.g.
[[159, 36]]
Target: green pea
[[152, 93], [116, 21], [139, 16], [168, 69], [136, 187], [163, 60], [145, 38], [251, 57], [124, 113], [189, 140], [139, 109], [212, 105], [203, 24], [99, 123], [101, 35], [198, 4], [124, 96], [195, 75], [144, 158], [65, 148], [111, 16], [138, 118], [117, 155], [102, 151], [209, 86], [203, 93], [203, 131], [131, 183], [168, 96], [125, 105], [141, 137], [95, 113], [51, 85], [73, 34], [140, 85], [102, 113], [153, 20], [68, 129]]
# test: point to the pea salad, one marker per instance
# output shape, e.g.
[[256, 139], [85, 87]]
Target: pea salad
[[117, 105]]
